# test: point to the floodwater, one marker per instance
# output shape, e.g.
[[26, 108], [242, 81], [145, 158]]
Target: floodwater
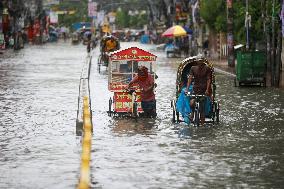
[[39, 147]]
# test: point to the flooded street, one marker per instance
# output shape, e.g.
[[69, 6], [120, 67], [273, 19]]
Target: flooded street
[[39, 147]]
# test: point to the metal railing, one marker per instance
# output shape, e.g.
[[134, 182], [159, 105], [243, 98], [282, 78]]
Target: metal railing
[[84, 124]]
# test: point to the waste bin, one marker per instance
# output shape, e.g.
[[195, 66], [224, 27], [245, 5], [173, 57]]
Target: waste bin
[[251, 68]]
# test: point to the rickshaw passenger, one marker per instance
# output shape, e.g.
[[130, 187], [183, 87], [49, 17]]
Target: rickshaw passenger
[[109, 44], [201, 74], [146, 84]]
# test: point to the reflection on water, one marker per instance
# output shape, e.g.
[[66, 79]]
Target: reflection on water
[[131, 127]]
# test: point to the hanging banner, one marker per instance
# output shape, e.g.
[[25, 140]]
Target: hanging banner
[[100, 18], [229, 4], [92, 9]]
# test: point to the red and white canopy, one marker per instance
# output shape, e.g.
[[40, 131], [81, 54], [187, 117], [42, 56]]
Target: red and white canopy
[[132, 53]]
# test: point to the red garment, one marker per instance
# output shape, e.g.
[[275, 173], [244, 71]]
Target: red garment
[[144, 85], [30, 33]]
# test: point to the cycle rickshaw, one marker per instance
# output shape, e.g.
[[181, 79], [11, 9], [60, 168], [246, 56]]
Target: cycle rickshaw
[[122, 69], [180, 105], [105, 50]]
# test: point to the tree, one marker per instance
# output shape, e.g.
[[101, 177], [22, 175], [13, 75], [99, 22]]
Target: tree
[[81, 12], [214, 14], [122, 19]]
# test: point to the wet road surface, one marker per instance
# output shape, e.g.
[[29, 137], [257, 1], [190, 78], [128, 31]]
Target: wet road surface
[[39, 147]]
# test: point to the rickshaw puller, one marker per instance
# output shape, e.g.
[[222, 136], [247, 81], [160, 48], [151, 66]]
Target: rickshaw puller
[[146, 84], [201, 75]]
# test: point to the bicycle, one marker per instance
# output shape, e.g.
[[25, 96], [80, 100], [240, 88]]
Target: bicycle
[[196, 111]]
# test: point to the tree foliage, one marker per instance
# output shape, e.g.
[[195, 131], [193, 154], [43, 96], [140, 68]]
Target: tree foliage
[[122, 7], [124, 20], [214, 14], [81, 12]]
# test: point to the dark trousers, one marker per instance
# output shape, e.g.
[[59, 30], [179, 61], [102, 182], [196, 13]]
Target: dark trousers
[[149, 108]]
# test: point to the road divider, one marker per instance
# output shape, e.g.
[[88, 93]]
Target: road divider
[[84, 125]]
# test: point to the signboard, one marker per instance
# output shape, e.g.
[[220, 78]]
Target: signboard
[[133, 53], [92, 9], [117, 86], [123, 102], [53, 17], [50, 2]]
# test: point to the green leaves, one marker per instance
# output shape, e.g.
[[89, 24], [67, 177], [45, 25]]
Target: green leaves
[[214, 13]]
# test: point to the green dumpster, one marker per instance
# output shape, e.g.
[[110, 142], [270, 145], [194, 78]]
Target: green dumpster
[[251, 68]]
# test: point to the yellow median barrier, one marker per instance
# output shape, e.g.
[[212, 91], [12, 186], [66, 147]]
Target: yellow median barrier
[[84, 182]]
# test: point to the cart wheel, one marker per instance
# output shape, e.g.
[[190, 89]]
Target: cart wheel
[[109, 106], [135, 111]]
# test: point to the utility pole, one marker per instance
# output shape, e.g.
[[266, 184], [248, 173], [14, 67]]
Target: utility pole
[[273, 45], [230, 35], [247, 24], [268, 37], [278, 48]]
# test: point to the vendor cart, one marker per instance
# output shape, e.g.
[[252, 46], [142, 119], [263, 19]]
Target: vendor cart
[[122, 69]]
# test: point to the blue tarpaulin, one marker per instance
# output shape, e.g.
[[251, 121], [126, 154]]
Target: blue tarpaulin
[[79, 25], [183, 105]]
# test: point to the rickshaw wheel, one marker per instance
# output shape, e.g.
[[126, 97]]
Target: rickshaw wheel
[[174, 112], [177, 119], [99, 63], [99, 68], [109, 106], [196, 117]]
